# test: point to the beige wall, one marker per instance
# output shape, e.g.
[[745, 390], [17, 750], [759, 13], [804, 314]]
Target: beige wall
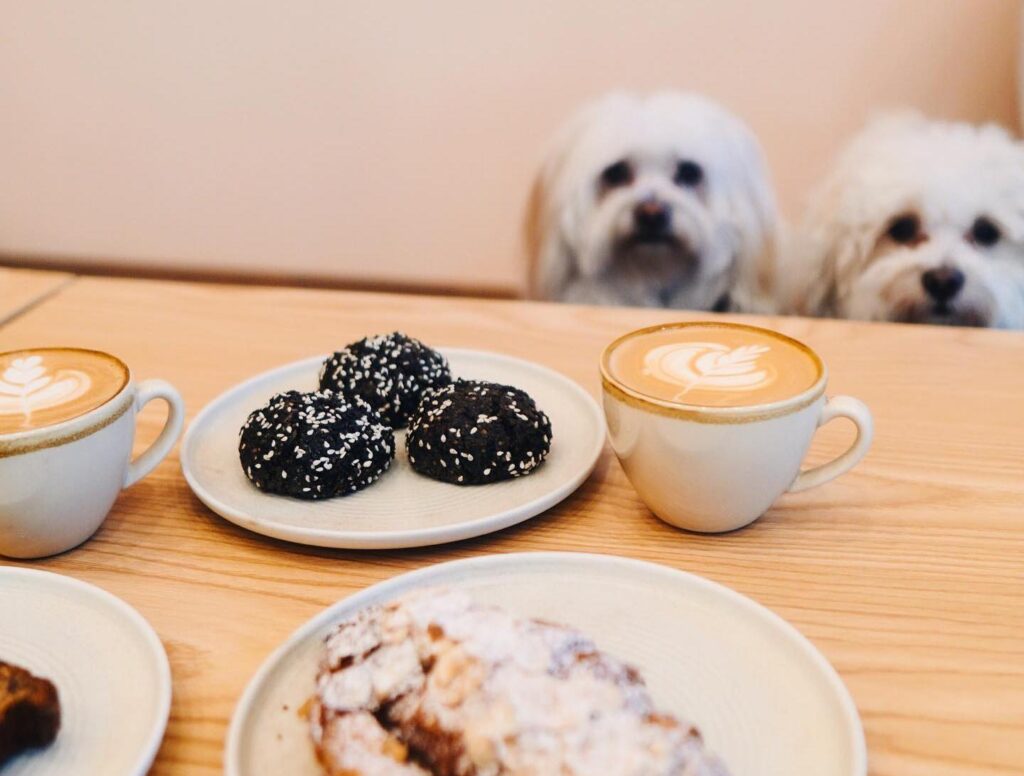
[[395, 141]]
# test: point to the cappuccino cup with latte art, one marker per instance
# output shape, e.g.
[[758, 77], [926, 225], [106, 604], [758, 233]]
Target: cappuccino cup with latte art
[[711, 420], [67, 425]]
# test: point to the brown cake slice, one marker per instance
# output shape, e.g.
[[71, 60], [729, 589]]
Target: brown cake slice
[[435, 684], [29, 711]]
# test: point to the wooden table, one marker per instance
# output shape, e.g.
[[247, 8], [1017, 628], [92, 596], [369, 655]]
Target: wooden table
[[908, 573], [22, 288]]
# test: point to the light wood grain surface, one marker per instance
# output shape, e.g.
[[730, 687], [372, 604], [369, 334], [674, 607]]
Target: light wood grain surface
[[908, 573], [22, 288]]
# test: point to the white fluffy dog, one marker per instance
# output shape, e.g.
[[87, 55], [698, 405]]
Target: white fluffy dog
[[920, 221], [659, 201]]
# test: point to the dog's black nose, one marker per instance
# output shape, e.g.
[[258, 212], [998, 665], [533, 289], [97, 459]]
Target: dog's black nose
[[943, 283], [651, 216]]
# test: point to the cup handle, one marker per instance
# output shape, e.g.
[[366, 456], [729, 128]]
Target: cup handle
[[156, 452], [839, 407]]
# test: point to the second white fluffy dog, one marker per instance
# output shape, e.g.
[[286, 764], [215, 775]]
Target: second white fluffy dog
[[921, 222], [659, 201]]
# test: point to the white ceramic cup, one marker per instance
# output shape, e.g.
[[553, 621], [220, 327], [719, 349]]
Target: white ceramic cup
[[715, 469], [58, 482]]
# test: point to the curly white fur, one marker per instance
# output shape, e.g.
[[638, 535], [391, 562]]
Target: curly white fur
[[722, 234], [845, 261]]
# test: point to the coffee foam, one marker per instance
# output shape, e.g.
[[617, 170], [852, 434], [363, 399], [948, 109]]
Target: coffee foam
[[46, 386], [714, 365]]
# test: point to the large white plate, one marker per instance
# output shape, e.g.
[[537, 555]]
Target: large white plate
[[108, 665], [764, 698], [403, 508]]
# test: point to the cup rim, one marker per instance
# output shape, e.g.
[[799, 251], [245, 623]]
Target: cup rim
[[704, 413], [72, 429]]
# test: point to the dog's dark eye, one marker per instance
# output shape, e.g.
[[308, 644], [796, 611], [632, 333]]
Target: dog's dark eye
[[905, 229], [985, 233], [689, 174], [618, 174]]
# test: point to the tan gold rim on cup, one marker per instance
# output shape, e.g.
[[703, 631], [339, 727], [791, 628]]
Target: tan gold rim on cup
[[701, 413], [72, 429]]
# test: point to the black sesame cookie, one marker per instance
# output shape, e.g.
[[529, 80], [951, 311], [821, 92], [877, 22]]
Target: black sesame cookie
[[314, 445], [389, 372], [473, 432]]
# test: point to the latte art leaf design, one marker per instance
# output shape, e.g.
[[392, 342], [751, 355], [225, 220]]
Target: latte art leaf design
[[26, 387], [709, 366]]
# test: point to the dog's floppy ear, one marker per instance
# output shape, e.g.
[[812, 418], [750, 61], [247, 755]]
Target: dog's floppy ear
[[807, 281], [551, 218], [750, 201], [1008, 153], [828, 242], [549, 248], [550, 258]]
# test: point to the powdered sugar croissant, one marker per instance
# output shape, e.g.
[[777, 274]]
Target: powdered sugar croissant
[[433, 684]]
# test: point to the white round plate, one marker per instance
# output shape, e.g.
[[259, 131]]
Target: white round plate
[[403, 508], [109, 667], [766, 701]]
